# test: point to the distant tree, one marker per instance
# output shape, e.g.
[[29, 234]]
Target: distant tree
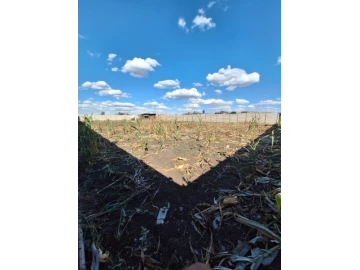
[[233, 112], [102, 113], [203, 111]]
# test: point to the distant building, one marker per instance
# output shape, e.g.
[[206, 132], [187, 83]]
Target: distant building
[[148, 115], [222, 112]]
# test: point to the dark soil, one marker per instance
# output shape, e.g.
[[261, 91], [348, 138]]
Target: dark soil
[[120, 196]]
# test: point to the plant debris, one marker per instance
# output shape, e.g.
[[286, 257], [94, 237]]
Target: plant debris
[[223, 181]]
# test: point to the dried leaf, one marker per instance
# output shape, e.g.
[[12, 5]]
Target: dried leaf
[[104, 257], [230, 200]]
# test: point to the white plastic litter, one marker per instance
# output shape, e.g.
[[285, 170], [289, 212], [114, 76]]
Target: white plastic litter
[[162, 215]]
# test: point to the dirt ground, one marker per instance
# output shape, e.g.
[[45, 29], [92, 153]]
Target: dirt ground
[[208, 175]]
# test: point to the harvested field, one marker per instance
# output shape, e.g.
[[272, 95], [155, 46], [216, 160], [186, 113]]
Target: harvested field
[[216, 182]]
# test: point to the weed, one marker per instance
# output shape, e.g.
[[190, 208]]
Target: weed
[[125, 126], [160, 131], [138, 133], [272, 139], [109, 127], [99, 129], [87, 144], [176, 127], [199, 128]]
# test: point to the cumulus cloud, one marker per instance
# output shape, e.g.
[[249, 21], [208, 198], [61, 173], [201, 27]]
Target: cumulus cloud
[[211, 101], [188, 109], [111, 56], [197, 84], [270, 109], [81, 36], [155, 105], [269, 102], [222, 108], [241, 108], [218, 91], [167, 84], [93, 54], [211, 3], [232, 78], [183, 94], [201, 11], [203, 22], [251, 106], [192, 105], [111, 107], [182, 24], [114, 69], [104, 89], [279, 60], [139, 67], [241, 101]]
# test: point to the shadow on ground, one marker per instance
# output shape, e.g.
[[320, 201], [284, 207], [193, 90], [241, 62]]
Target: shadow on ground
[[120, 197]]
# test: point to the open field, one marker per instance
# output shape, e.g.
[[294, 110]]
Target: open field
[[216, 181], [264, 118]]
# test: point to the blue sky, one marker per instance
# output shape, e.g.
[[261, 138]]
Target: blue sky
[[177, 56]]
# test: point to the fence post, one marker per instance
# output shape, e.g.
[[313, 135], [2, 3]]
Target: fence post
[[265, 117], [237, 118], [245, 117]]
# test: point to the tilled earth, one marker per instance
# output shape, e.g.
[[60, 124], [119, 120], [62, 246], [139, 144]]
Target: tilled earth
[[206, 175]]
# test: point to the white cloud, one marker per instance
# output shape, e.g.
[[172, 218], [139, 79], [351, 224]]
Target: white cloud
[[270, 109], [139, 67], [155, 105], [188, 109], [211, 101], [192, 105], [218, 91], [226, 8], [114, 93], [104, 89], [183, 94], [269, 102], [111, 56], [197, 84], [114, 69], [95, 85], [232, 78], [92, 54], [111, 107], [222, 108], [241, 101], [279, 60], [182, 24], [81, 36], [211, 3], [201, 11], [241, 108], [167, 84], [203, 22], [251, 106]]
